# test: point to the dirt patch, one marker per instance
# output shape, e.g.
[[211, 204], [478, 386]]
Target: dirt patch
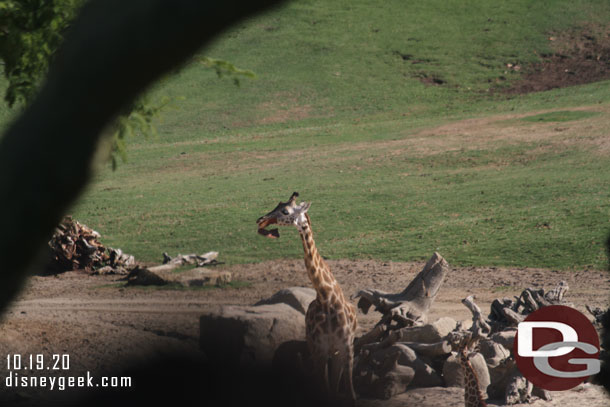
[[486, 133], [285, 115], [283, 108], [579, 57], [493, 132], [104, 326]]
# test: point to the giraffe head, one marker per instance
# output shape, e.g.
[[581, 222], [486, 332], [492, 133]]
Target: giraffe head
[[287, 213], [462, 341]]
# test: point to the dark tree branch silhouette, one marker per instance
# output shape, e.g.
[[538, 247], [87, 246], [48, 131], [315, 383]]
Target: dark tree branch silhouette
[[114, 50]]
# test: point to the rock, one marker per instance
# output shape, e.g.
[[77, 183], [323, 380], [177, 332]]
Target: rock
[[493, 352], [424, 374], [480, 368], [452, 372], [500, 377], [505, 338], [385, 378], [430, 350], [395, 381], [518, 390], [542, 393], [406, 356], [249, 334], [454, 375], [429, 333], [298, 298], [465, 324]]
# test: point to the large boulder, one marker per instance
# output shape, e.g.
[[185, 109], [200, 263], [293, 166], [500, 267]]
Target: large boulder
[[423, 374], [298, 298], [292, 356], [385, 380], [249, 335]]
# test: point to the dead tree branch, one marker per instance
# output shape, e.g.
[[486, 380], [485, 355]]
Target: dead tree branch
[[410, 306]]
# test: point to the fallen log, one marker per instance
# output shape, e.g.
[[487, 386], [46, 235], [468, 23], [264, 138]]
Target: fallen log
[[555, 296], [199, 260], [597, 313], [480, 327], [508, 313], [373, 336], [171, 263], [514, 318]]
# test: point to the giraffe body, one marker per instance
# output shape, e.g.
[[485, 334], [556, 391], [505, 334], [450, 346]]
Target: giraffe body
[[330, 321]]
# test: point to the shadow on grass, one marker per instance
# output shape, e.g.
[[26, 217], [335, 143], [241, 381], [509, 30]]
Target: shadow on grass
[[560, 116]]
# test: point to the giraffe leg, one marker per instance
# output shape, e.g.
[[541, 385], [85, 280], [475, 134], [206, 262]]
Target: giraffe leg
[[340, 377], [335, 371], [349, 376], [320, 366]]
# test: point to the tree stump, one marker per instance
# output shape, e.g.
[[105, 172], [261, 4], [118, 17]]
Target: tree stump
[[410, 306]]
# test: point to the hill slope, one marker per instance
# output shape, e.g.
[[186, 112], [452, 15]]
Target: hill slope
[[392, 120]]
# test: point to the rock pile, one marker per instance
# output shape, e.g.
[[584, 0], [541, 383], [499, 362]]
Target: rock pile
[[402, 351], [425, 355], [75, 246]]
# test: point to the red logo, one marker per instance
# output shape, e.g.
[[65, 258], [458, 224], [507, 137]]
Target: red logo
[[557, 348]]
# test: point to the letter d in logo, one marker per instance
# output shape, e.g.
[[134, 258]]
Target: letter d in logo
[[526, 338]]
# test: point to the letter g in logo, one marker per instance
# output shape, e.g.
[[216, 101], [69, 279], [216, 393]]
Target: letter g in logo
[[593, 365], [553, 344]]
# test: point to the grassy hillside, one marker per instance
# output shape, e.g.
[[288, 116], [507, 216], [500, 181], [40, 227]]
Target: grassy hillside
[[361, 107]]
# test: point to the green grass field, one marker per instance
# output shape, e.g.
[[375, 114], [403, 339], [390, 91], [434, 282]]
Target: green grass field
[[396, 168]]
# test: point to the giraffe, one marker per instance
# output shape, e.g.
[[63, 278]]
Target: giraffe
[[473, 396], [330, 321]]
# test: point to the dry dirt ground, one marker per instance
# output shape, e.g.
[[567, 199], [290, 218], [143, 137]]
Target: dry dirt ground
[[579, 56], [103, 325]]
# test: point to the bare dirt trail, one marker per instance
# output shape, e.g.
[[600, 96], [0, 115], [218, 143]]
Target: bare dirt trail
[[104, 326]]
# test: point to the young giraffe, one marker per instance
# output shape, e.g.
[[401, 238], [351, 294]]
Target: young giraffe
[[330, 322], [473, 396]]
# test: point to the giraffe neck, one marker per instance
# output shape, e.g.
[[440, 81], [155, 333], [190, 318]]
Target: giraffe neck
[[322, 279], [473, 396]]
